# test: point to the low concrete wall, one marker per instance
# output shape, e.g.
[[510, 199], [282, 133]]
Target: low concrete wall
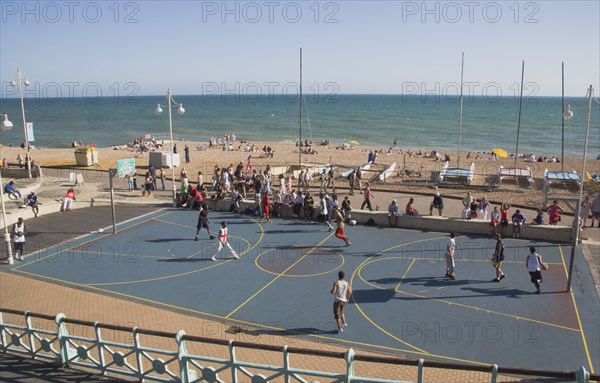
[[441, 224], [425, 223]]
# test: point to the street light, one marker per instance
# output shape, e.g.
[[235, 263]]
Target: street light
[[18, 81], [575, 234], [6, 126], [180, 111]]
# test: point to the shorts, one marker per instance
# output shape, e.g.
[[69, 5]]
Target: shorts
[[596, 214], [497, 264], [504, 222], [535, 276], [19, 246], [554, 218], [202, 225], [340, 233], [338, 309], [494, 223]]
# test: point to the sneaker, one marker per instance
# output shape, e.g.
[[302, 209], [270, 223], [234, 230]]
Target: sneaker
[[341, 330], [236, 257], [213, 259], [195, 238], [496, 280], [537, 291], [345, 324], [212, 236], [452, 276], [502, 277]]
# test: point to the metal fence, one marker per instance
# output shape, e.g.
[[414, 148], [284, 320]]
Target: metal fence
[[133, 359]]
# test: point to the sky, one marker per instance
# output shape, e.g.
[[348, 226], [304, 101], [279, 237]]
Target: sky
[[91, 48]]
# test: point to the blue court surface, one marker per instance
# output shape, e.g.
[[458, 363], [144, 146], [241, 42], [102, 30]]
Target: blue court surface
[[401, 302]]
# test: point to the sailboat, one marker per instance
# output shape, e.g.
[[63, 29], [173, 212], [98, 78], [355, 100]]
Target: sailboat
[[458, 173], [517, 173]]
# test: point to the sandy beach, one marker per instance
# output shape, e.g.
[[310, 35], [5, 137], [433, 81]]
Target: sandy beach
[[286, 154]]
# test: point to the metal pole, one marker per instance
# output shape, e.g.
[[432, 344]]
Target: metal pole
[[111, 175], [519, 120], [562, 117], [577, 209], [24, 122], [300, 133], [169, 95], [9, 256], [460, 116]]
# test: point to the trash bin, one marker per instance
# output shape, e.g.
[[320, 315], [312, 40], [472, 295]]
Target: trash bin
[[86, 156]]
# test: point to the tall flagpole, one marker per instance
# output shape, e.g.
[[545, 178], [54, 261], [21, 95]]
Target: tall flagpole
[[519, 121], [300, 114], [460, 117]]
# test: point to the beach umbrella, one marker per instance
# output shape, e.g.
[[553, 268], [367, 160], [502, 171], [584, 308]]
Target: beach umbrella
[[500, 152], [354, 143]]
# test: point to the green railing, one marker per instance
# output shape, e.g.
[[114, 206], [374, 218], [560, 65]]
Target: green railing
[[133, 359]]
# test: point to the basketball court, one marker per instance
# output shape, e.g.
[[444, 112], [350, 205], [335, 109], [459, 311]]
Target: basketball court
[[401, 303]]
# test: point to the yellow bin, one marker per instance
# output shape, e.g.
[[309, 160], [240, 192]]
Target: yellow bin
[[86, 156]]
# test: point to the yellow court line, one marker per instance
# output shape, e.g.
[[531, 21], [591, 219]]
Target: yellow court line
[[83, 243], [361, 310], [262, 233], [404, 276], [300, 275], [278, 276], [185, 309], [360, 268], [585, 346]]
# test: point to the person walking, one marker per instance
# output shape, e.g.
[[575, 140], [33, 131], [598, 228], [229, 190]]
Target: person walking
[[367, 197], [341, 291], [535, 265], [162, 177], [497, 258], [451, 247], [18, 233], [203, 222], [596, 210], [224, 242], [152, 171], [186, 152], [584, 210], [148, 182], [32, 200]]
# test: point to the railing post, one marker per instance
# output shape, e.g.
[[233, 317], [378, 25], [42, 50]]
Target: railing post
[[349, 357], [98, 332], [138, 353], [494, 373], [2, 333], [286, 364], [420, 371], [30, 334], [582, 375], [182, 357], [232, 360], [62, 339]]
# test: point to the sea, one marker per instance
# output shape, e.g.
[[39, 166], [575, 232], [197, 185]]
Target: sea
[[415, 121]]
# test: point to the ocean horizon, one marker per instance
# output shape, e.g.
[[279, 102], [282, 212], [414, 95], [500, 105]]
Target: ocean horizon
[[417, 121]]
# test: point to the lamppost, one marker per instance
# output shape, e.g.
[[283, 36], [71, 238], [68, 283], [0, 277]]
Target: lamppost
[[6, 126], [575, 235], [18, 81], [180, 111]]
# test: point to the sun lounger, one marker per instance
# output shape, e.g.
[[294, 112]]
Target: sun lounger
[[460, 174], [518, 174]]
